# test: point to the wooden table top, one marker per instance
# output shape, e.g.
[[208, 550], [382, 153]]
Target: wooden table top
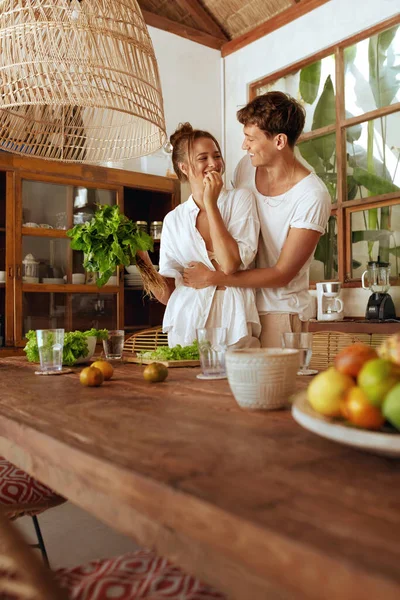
[[248, 501]]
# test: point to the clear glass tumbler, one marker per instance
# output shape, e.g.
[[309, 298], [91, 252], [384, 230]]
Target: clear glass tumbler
[[303, 343], [212, 348], [114, 344], [50, 344]]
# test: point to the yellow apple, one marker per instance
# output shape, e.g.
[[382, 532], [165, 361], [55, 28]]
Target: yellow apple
[[326, 391]]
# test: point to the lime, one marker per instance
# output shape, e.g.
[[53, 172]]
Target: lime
[[376, 379], [391, 406], [155, 372]]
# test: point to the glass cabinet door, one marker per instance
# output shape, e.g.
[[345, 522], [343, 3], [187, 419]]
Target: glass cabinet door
[[52, 288]]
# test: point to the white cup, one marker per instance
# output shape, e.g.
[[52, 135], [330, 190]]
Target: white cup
[[113, 280], [78, 278], [2, 276]]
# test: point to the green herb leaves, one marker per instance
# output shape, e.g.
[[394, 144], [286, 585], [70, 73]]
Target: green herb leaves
[[75, 345], [176, 353], [108, 240]]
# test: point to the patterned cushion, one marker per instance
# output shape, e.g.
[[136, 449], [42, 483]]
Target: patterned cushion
[[23, 494], [133, 576]]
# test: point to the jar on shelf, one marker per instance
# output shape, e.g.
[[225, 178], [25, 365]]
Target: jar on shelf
[[155, 230], [142, 226], [30, 269]]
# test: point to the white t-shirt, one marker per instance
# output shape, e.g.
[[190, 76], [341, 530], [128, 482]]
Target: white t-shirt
[[181, 243], [307, 205]]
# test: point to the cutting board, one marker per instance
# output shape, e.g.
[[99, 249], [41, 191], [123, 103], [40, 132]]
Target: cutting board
[[167, 363]]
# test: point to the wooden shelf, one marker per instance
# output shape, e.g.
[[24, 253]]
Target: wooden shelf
[[354, 326], [42, 232], [70, 288]]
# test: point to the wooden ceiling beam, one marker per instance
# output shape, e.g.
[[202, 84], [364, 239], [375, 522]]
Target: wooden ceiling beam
[[183, 30], [279, 20], [202, 19]]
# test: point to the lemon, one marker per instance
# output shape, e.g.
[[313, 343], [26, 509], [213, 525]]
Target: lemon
[[104, 367], [326, 391], [91, 376], [155, 372]]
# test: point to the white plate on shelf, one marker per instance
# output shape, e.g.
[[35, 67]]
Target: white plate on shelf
[[386, 444]]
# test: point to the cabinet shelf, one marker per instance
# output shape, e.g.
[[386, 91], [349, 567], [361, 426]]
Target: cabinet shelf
[[70, 288], [46, 233]]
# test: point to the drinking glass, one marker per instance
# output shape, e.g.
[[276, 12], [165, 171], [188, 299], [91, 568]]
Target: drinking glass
[[303, 343], [212, 348], [50, 344], [114, 344]]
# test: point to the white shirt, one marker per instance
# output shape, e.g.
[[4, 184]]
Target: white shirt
[[181, 243], [307, 205]]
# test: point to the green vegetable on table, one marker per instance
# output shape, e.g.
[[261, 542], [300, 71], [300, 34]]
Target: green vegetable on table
[[176, 353], [75, 345], [108, 240]]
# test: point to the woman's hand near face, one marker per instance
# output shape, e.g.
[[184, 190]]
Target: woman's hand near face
[[212, 187]]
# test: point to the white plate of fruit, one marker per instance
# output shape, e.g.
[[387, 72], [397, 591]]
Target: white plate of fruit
[[357, 401]]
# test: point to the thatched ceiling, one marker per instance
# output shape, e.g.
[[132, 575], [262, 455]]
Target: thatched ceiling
[[217, 22]]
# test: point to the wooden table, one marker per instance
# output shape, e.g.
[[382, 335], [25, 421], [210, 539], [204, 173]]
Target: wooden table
[[250, 502]]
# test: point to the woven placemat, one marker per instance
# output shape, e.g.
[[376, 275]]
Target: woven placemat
[[63, 371]]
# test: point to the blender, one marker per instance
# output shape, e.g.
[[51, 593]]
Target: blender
[[329, 305], [380, 305]]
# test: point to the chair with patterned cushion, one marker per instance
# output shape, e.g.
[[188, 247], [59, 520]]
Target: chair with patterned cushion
[[139, 575], [22, 495]]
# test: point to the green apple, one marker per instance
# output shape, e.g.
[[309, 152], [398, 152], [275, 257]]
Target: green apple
[[391, 406], [326, 391], [376, 379]]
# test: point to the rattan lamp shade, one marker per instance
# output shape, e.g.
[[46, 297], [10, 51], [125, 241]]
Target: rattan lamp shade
[[79, 81]]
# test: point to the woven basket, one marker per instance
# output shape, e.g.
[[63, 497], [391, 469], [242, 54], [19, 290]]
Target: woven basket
[[147, 340], [326, 344]]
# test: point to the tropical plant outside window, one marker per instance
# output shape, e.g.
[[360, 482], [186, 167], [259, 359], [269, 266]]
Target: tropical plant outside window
[[351, 140]]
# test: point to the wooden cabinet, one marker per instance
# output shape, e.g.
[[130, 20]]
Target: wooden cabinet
[[45, 284]]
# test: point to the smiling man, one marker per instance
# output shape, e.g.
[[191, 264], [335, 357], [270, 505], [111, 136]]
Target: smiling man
[[294, 207]]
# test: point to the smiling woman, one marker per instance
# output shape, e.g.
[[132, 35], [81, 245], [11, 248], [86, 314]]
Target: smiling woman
[[216, 228]]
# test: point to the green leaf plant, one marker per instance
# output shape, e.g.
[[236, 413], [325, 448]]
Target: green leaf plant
[[108, 240]]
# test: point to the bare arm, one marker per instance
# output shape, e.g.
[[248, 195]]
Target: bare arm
[[299, 246], [224, 245], [167, 285]]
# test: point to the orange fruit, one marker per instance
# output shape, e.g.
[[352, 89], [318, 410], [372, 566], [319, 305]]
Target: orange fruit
[[356, 408], [155, 372], [350, 360], [105, 367], [91, 376]]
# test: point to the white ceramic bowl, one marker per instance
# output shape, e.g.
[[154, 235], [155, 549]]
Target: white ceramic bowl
[[78, 278], [113, 280], [262, 378], [53, 280], [91, 342], [132, 269]]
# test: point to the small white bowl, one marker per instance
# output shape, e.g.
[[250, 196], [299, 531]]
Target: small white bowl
[[91, 342], [113, 280], [78, 278], [132, 269], [53, 280], [262, 378]]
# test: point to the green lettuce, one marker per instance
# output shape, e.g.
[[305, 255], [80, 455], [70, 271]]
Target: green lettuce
[[75, 345], [176, 353]]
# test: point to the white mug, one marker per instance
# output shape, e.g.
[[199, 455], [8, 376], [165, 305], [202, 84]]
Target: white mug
[[2, 276], [78, 278]]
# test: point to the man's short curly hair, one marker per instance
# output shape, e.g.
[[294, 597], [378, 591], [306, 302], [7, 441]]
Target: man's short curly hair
[[273, 113]]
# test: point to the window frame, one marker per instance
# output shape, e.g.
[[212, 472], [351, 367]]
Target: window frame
[[342, 207]]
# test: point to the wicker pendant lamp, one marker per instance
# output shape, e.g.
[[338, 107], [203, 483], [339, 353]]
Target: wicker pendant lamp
[[78, 80]]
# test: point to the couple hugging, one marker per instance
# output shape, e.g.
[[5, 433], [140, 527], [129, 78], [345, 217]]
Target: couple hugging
[[240, 258]]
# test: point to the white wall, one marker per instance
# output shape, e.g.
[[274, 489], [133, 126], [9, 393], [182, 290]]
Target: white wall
[[191, 84], [330, 23]]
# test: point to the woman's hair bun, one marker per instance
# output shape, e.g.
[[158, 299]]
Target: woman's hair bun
[[182, 130]]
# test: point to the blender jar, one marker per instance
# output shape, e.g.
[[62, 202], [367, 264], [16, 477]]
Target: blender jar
[[378, 276]]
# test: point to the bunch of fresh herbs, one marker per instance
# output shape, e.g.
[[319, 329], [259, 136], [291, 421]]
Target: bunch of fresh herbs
[[75, 345], [176, 353], [108, 240]]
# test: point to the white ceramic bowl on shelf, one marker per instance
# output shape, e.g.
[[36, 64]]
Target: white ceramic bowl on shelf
[[78, 278], [262, 378], [131, 269]]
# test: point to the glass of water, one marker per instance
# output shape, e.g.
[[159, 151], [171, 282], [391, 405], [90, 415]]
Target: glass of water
[[303, 343], [50, 344], [114, 344], [212, 348]]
